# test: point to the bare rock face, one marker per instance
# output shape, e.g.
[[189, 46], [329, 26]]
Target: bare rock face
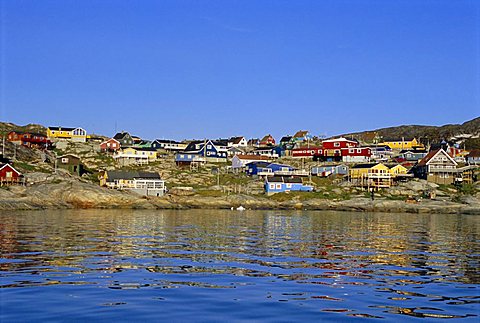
[[182, 191]]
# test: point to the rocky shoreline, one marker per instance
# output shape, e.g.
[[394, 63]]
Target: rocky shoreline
[[55, 192]]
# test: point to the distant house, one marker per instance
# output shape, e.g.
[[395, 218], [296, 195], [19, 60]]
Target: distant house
[[306, 152], [9, 175], [110, 145], [240, 161], [376, 175], [134, 155], [144, 183], [380, 153], [473, 157], [262, 168], [332, 148], [71, 163], [272, 152], [187, 159], [412, 155], [286, 142], [268, 140], [209, 150], [143, 144], [279, 184], [356, 155], [237, 142], [254, 142], [232, 151], [124, 138], [170, 145], [401, 143], [329, 170], [29, 139], [65, 133], [301, 136]]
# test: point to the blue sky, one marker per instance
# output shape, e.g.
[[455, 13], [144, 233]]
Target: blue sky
[[184, 69]]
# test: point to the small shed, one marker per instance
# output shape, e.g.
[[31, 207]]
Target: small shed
[[71, 163]]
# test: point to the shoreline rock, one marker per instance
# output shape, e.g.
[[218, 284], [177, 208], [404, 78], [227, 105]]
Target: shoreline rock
[[74, 194]]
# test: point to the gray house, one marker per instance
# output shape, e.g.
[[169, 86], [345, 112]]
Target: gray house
[[327, 170]]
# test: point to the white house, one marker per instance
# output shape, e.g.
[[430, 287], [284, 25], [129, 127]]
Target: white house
[[239, 161]]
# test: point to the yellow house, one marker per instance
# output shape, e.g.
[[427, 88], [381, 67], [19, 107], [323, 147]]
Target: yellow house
[[135, 155], [371, 175], [398, 170], [402, 143], [74, 134]]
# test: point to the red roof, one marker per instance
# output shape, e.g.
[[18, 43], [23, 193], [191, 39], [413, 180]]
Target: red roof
[[252, 157], [430, 155]]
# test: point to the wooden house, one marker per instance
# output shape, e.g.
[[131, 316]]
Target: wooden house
[[110, 145], [144, 183], [29, 139], [329, 170], [301, 136], [240, 161], [9, 175], [169, 145], [66, 133], [124, 138], [402, 143], [71, 163], [437, 167], [473, 157], [271, 152], [268, 140], [375, 176], [134, 155], [356, 155], [306, 152], [237, 142], [209, 150], [279, 184]]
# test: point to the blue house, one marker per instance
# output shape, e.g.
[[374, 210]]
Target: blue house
[[265, 168], [207, 149], [324, 171], [278, 184]]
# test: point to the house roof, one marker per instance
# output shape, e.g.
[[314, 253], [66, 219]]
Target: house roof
[[61, 128], [369, 165], [340, 139], [474, 153], [266, 137], [68, 155], [259, 163], [121, 135], [252, 157], [286, 139], [397, 139], [235, 140], [300, 134], [432, 154], [282, 179], [166, 141], [130, 175], [6, 164]]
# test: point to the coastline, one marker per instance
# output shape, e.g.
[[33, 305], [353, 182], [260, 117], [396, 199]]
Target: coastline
[[72, 194]]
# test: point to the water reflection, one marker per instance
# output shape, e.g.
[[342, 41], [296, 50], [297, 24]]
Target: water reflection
[[370, 263]]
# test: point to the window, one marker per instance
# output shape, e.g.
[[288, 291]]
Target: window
[[64, 160], [279, 186], [272, 186], [336, 144], [359, 151], [209, 146], [350, 151], [8, 174]]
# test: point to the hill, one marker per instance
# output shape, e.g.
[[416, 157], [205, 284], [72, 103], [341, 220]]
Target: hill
[[454, 132]]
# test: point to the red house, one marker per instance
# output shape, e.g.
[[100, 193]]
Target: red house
[[268, 140], [29, 139], [111, 145], [305, 152], [356, 155], [9, 175], [333, 147]]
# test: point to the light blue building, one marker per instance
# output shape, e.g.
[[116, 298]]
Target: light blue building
[[278, 184], [327, 170]]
